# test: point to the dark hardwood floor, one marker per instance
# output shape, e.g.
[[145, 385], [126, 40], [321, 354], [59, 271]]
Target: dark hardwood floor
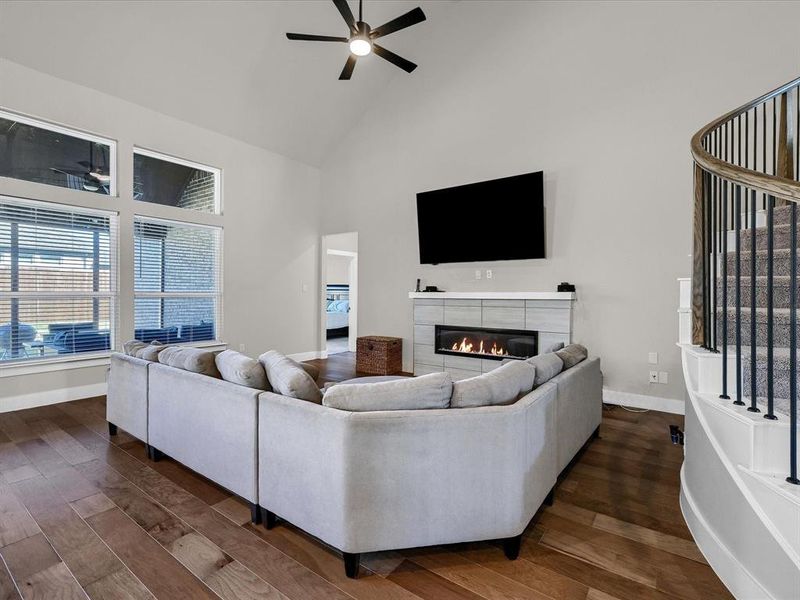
[[81, 516]]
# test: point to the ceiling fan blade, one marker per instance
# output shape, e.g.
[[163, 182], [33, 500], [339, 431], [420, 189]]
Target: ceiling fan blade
[[393, 58], [347, 14], [412, 17], [348, 67], [310, 37]]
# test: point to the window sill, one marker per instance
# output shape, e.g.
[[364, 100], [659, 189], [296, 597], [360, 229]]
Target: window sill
[[66, 363]]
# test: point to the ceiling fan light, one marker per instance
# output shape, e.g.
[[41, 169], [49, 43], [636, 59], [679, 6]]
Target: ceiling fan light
[[360, 46]]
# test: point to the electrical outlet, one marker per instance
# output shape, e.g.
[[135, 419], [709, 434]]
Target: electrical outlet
[[241, 347], [477, 273], [653, 376], [652, 358], [663, 377], [489, 274]]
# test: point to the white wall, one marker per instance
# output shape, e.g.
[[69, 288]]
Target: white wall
[[271, 208], [604, 98]]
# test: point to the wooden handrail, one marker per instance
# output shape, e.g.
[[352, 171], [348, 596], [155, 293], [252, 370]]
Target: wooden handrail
[[781, 187]]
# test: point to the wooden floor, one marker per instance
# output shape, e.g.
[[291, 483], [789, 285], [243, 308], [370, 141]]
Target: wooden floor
[[82, 515]]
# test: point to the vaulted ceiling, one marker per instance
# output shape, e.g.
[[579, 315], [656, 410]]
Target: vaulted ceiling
[[226, 66]]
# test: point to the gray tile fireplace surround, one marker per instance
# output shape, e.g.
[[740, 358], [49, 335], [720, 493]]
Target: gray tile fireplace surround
[[548, 313]]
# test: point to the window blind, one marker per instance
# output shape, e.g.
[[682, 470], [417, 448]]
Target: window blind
[[57, 280], [176, 281]]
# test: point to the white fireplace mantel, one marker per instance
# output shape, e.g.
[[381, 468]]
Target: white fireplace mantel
[[495, 295]]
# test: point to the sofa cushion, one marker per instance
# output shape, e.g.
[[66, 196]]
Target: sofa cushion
[[503, 385], [547, 366], [289, 379], [404, 393], [572, 355], [195, 360], [242, 370], [310, 369]]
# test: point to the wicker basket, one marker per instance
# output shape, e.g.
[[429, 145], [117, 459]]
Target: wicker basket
[[379, 355]]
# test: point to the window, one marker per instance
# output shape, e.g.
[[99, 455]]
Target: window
[[57, 280], [35, 151], [176, 281], [173, 182]]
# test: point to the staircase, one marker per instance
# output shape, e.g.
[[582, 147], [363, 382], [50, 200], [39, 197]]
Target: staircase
[[781, 298], [739, 332]]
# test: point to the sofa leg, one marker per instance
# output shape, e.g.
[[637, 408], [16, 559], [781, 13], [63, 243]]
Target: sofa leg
[[351, 564], [255, 513], [548, 500], [268, 518], [154, 454], [112, 429], [511, 547]]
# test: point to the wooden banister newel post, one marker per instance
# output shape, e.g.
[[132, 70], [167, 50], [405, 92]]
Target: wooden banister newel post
[[698, 328]]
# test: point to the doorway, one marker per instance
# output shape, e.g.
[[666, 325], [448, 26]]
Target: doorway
[[339, 292]]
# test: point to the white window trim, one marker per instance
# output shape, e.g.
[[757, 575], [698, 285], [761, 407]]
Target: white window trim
[[217, 173], [76, 133]]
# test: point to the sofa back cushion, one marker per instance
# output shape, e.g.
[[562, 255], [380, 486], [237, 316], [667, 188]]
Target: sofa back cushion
[[288, 378], [242, 370], [308, 368], [133, 346], [547, 366], [195, 360], [504, 385], [572, 355], [407, 393]]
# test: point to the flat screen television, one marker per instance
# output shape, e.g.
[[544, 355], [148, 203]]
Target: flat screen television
[[501, 219]]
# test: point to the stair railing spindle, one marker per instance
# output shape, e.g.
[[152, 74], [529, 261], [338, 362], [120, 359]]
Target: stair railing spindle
[[770, 310], [793, 351], [753, 357], [738, 220], [724, 284]]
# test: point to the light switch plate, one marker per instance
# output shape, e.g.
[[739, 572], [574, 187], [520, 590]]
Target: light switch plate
[[653, 377], [652, 358], [663, 377]]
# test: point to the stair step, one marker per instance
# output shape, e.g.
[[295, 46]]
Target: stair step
[[780, 379], [780, 326], [780, 262], [781, 232], [780, 291]]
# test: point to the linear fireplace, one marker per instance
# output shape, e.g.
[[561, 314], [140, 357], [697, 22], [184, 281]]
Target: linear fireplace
[[483, 342]]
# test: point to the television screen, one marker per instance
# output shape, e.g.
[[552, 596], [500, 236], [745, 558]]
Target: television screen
[[502, 219]]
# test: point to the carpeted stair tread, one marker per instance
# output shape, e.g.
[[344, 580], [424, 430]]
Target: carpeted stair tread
[[780, 291], [781, 237], [781, 263]]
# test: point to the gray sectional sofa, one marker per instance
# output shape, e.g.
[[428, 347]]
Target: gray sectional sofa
[[362, 479]]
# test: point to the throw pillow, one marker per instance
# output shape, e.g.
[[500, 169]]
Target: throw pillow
[[503, 385], [310, 369], [242, 370], [151, 351], [195, 360], [547, 366], [572, 355], [289, 379], [132, 347], [405, 393]]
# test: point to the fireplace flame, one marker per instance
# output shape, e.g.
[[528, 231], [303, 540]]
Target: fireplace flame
[[466, 345]]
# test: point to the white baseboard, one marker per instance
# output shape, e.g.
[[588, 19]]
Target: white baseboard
[[53, 396], [669, 405], [303, 356]]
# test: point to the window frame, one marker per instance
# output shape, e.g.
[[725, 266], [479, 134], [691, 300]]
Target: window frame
[[216, 172], [217, 295], [76, 133], [80, 359]]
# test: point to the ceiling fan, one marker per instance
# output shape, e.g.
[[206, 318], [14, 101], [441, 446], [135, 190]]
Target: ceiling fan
[[362, 38]]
